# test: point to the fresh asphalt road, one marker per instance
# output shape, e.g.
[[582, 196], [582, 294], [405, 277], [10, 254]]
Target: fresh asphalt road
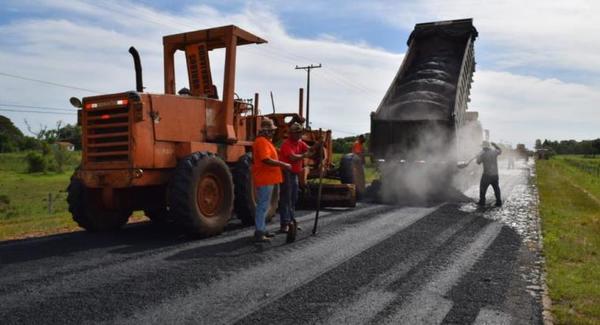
[[448, 263]]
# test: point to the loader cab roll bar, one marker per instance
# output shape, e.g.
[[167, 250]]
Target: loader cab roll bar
[[196, 46]]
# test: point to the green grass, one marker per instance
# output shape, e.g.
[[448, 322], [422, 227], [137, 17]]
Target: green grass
[[570, 212], [24, 199]]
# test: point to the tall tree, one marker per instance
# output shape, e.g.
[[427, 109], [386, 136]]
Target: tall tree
[[10, 135]]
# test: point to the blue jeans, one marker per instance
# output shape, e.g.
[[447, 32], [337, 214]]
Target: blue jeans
[[263, 200], [288, 196]]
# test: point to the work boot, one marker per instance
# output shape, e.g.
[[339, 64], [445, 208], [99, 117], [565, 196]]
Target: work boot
[[481, 203], [269, 234], [498, 203], [259, 237]]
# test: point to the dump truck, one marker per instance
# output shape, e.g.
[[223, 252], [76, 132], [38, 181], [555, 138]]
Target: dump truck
[[183, 158], [419, 119]]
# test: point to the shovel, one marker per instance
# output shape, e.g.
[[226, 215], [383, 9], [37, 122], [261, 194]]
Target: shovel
[[314, 230], [463, 164]]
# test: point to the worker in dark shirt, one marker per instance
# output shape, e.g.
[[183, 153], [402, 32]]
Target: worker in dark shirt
[[489, 158]]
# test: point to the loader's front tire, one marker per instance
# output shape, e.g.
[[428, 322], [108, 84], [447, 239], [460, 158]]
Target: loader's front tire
[[200, 194], [85, 205], [245, 194], [352, 171]]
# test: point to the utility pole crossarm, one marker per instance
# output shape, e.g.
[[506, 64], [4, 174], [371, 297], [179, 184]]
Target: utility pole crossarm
[[308, 68]]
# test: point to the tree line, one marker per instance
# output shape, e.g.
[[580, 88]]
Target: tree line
[[13, 140], [570, 147], [44, 152]]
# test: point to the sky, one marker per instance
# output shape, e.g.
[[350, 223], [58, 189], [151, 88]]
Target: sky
[[537, 73]]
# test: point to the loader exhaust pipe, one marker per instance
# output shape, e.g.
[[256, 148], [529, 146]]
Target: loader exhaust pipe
[[139, 85]]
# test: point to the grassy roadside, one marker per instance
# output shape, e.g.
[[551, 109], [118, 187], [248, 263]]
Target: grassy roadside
[[570, 213], [24, 200]]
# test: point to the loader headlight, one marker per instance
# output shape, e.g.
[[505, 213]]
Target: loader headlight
[[138, 173]]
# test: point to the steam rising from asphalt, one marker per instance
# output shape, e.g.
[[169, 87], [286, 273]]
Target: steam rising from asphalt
[[428, 172]]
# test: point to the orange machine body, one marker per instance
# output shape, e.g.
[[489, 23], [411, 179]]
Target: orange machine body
[[135, 139]]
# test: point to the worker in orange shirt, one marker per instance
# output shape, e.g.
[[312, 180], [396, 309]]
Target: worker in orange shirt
[[266, 172], [292, 151], [357, 147]]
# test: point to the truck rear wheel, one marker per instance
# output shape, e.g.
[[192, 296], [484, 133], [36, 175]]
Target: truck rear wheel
[[200, 194], [352, 172], [85, 205], [245, 195]]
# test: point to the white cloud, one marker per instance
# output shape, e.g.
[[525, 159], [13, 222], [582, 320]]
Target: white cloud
[[524, 34], [523, 108]]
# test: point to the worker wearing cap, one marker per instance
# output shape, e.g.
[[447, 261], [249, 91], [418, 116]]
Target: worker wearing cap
[[266, 173], [489, 158], [293, 150]]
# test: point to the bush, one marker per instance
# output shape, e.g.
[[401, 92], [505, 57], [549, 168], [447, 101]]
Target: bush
[[6, 210], [29, 143], [4, 200], [46, 148], [63, 159], [36, 162]]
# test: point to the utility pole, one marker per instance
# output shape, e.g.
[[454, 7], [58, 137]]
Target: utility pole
[[308, 68]]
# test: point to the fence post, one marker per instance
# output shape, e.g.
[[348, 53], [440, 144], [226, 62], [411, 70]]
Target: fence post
[[49, 203]]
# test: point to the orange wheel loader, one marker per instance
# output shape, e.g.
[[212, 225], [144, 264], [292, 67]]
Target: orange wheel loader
[[184, 159]]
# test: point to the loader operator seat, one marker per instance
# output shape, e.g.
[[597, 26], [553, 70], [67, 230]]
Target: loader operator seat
[[186, 92], [215, 93]]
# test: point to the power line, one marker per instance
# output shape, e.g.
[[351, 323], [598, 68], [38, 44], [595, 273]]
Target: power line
[[41, 107], [329, 70], [47, 82], [340, 79], [274, 51], [107, 6], [38, 112], [308, 68]]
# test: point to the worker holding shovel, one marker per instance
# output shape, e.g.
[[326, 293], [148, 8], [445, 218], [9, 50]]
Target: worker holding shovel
[[489, 158]]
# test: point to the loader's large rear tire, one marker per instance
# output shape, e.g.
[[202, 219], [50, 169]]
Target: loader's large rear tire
[[245, 195], [200, 194], [352, 172], [85, 204]]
